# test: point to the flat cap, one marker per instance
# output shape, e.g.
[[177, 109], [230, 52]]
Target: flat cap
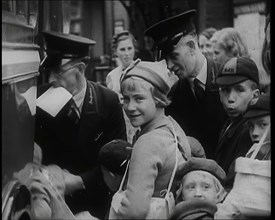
[[114, 155], [260, 108], [155, 73], [64, 46], [194, 209], [169, 31], [203, 164], [236, 70]]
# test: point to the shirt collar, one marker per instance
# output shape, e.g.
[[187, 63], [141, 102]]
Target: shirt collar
[[79, 97], [203, 73]]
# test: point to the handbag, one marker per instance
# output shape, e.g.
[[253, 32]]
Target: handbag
[[160, 208], [251, 192]]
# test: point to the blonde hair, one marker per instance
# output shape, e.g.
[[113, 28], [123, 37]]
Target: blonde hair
[[131, 83], [233, 44]]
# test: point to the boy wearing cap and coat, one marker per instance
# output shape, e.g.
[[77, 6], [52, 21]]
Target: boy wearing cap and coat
[[91, 118], [238, 81], [195, 97], [258, 116], [155, 152]]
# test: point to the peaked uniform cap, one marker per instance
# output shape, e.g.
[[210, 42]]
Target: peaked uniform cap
[[260, 108], [236, 70], [64, 46], [202, 164], [155, 73], [166, 31]]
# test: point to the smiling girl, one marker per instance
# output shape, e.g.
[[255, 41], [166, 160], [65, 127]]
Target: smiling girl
[[144, 91]]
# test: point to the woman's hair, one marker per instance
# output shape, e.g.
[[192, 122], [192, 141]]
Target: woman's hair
[[231, 41], [120, 36], [160, 98], [208, 33]]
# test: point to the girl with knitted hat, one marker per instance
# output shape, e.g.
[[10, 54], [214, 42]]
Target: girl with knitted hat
[[155, 155]]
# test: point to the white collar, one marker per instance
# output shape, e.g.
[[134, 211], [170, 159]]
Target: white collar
[[203, 73], [79, 97]]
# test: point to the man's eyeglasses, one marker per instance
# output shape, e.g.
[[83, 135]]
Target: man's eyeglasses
[[61, 70]]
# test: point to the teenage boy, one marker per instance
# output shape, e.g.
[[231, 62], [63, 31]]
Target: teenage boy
[[238, 85]]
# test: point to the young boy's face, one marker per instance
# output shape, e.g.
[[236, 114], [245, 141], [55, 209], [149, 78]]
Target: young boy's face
[[235, 98], [257, 127], [138, 102], [199, 184]]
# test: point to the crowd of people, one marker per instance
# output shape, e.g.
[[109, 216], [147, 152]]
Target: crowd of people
[[170, 129]]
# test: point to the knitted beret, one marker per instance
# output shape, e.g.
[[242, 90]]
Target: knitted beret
[[155, 73], [202, 164]]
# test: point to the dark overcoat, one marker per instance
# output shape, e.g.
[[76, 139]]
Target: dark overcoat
[[234, 142], [202, 120], [74, 145]]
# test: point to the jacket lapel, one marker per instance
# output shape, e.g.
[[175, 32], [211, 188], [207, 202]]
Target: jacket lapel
[[90, 120]]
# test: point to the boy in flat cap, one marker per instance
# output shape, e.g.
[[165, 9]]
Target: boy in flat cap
[[155, 154], [195, 97], [258, 116], [238, 81], [112, 158], [200, 189], [72, 136]]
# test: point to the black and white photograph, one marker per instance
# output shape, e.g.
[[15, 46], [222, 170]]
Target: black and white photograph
[[136, 109]]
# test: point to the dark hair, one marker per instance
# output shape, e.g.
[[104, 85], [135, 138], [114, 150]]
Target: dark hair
[[114, 155]]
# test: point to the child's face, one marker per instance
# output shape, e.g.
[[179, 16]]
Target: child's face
[[199, 184], [138, 103], [257, 127], [236, 98]]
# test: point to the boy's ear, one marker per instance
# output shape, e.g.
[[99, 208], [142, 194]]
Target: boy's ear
[[255, 96]]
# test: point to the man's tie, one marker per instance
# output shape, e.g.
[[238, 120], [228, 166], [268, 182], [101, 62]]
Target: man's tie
[[199, 91], [74, 112]]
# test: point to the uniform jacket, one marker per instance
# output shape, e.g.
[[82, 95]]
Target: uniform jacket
[[75, 145], [152, 162], [233, 143], [203, 120]]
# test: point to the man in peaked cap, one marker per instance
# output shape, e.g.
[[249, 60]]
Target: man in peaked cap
[[72, 136], [195, 98]]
